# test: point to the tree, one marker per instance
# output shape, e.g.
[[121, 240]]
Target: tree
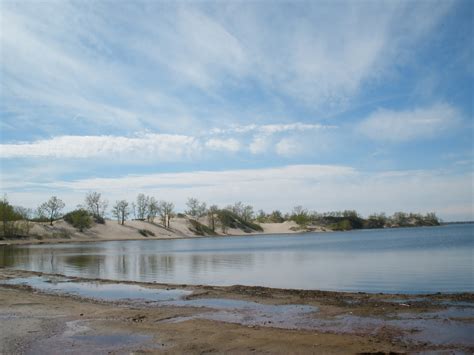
[[195, 208], [300, 215], [376, 220], [399, 219], [276, 217], [52, 209], [165, 211], [237, 208], [121, 211], [8, 216], [142, 206], [152, 209], [211, 216], [247, 213], [96, 205], [261, 216], [26, 214]]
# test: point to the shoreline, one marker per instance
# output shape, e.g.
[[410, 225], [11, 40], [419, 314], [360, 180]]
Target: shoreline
[[265, 289], [35, 241]]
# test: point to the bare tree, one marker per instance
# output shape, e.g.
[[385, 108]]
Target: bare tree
[[134, 210], [195, 208], [152, 209], [166, 212], [211, 216], [247, 213], [237, 208], [142, 206], [96, 205], [121, 211], [51, 209]]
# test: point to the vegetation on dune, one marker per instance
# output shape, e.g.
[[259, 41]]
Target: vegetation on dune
[[121, 211], [97, 206], [79, 219], [229, 219], [51, 209], [200, 229], [18, 221], [146, 232]]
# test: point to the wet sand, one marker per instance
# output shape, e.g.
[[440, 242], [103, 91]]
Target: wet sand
[[236, 319]]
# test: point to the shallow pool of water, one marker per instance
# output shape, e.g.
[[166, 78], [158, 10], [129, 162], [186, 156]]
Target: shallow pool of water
[[99, 291]]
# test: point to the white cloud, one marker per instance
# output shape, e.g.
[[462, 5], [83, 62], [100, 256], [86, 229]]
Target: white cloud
[[230, 144], [61, 60], [161, 146], [158, 146], [268, 129], [399, 126], [259, 144], [288, 147], [317, 187]]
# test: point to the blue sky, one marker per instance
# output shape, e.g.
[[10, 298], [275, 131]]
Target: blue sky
[[361, 105]]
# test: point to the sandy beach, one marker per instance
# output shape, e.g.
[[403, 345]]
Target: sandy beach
[[35, 321]]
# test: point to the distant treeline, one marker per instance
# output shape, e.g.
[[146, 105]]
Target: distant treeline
[[17, 221], [350, 219]]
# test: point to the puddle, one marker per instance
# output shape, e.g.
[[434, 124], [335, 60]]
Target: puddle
[[406, 300], [451, 326], [107, 341], [98, 291], [79, 338], [251, 313], [451, 312]]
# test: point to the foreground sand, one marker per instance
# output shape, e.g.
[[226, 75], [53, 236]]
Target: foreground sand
[[34, 322]]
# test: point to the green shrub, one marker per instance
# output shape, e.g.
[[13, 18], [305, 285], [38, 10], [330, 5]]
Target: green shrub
[[343, 225], [200, 229], [229, 219], [79, 219]]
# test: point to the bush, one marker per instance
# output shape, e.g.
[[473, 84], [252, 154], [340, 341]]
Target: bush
[[146, 232], [229, 219], [343, 225], [200, 229], [79, 219]]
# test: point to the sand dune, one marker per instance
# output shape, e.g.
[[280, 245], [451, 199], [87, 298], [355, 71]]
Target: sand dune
[[179, 228]]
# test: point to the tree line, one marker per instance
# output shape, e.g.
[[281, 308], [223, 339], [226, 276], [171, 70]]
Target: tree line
[[206, 219]]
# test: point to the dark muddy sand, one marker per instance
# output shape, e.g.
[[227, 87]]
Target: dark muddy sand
[[53, 314]]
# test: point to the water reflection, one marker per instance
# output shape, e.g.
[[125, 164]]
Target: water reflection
[[403, 260]]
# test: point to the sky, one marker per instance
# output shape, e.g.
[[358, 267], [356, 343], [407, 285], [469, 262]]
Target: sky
[[333, 105]]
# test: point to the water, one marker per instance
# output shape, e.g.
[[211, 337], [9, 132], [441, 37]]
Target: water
[[405, 260], [98, 291]]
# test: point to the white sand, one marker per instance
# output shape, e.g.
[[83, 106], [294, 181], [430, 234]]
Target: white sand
[[112, 230]]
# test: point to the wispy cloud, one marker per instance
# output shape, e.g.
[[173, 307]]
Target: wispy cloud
[[154, 145], [172, 61], [158, 146], [230, 144], [272, 128], [400, 126], [318, 187]]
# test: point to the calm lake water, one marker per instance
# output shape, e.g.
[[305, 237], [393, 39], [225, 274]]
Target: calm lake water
[[405, 260]]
